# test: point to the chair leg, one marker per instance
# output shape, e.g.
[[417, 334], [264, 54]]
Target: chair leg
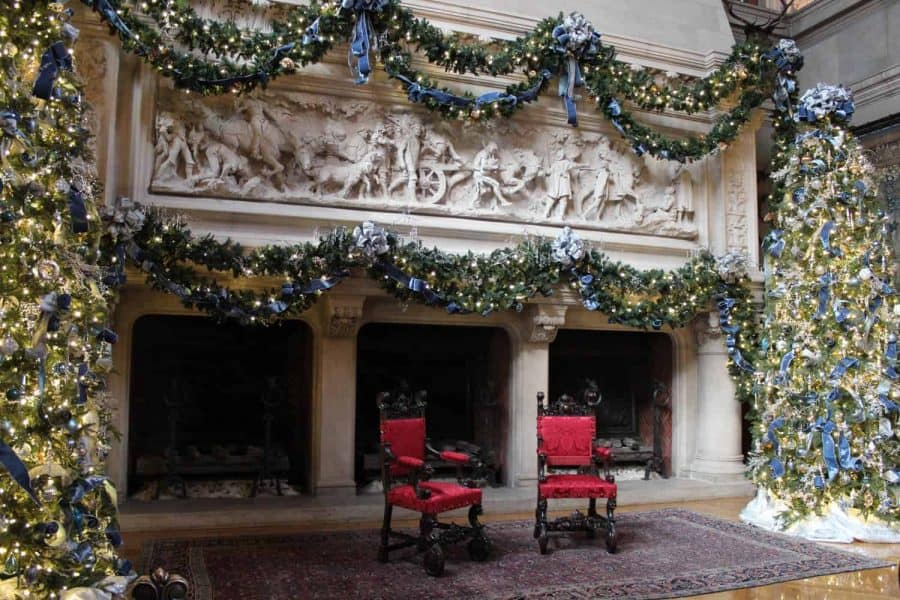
[[540, 525], [426, 526], [479, 546], [591, 520], [611, 539], [385, 533]]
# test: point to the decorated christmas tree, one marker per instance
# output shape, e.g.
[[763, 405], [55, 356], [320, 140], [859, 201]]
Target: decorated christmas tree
[[58, 525], [826, 452]]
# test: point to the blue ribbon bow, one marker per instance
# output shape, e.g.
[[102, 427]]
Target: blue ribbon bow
[[17, 469], [55, 59], [570, 76]]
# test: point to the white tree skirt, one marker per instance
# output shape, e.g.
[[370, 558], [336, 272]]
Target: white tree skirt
[[838, 524]]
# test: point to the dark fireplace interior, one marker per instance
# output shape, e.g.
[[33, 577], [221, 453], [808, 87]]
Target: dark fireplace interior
[[465, 371], [627, 367], [203, 388]]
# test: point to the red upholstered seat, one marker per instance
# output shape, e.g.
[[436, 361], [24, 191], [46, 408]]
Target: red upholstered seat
[[444, 497], [576, 486]]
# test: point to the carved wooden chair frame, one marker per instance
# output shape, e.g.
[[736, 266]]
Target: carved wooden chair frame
[[434, 535], [584, 405]]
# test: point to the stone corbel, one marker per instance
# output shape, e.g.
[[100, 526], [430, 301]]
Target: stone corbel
[[343, 314], [707, 330], [545, 321]]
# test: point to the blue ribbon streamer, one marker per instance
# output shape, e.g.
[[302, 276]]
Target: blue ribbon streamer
[[83, 373], [846, 461], [825, 237], [826, 427], [418, 93], [848, 362], [825, 283], [777, 467], [77, 210], [17, 469], [570, 76], [418, 286], [782, 376], [774, 242], [55, 59], [773, 426]]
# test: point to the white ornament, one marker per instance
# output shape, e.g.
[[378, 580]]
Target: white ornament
[[865, 273], [568, 248]]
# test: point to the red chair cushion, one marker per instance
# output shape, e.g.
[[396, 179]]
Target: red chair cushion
[[444, 497], [566, 441], [407, 438], [603, 452], [576, 486], [456, 457]]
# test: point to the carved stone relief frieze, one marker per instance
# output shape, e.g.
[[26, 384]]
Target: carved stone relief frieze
[[292, 147]]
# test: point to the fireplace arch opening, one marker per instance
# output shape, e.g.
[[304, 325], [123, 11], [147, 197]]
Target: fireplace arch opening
[[204, 399], [633, 371], [465, 371]]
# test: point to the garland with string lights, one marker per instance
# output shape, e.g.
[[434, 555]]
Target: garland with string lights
[[58, 513], [173, 260], [214, 57]]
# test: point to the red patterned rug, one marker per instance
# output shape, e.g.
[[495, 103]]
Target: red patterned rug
[[662, 554]]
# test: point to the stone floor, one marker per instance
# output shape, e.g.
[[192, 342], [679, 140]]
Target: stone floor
[[214, 518]]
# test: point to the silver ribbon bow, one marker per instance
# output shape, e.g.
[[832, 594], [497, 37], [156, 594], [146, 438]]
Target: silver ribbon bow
[[125, 218], [371, 239], [568, 248], [731, 266]]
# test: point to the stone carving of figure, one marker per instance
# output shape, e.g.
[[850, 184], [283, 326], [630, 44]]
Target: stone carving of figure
[[520, 171], [559, 184], [408, 133], [440, 149], [484, 169], [172, 149], [361, 175], [222, 163], [599, 193], [685, 186], [624, 179]]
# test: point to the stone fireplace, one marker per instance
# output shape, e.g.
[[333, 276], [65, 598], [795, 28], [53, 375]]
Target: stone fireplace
[[317, 131]]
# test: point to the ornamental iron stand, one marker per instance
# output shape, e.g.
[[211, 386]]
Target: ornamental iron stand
[[405, 479], [271, 398], [173, 399]]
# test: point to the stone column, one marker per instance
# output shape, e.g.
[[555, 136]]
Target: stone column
[[530, 375], [718, 424], [334, 410]]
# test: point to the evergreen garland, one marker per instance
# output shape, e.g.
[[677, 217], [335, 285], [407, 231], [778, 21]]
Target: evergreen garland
[[214, 57]]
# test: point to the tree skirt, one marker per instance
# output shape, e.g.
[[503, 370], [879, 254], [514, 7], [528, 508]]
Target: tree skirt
[[662, 554]]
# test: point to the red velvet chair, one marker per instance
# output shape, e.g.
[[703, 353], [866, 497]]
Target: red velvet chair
[[405, 476], [566, 440]]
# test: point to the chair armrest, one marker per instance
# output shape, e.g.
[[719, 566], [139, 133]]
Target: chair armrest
[[459, 458], [602, 452], [409, 461]]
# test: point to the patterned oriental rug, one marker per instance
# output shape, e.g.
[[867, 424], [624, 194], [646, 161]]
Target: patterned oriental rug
[[662, 554]]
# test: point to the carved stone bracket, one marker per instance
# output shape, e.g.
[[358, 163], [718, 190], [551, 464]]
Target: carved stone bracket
[[343, 314], [545, 321], [708, 332]]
